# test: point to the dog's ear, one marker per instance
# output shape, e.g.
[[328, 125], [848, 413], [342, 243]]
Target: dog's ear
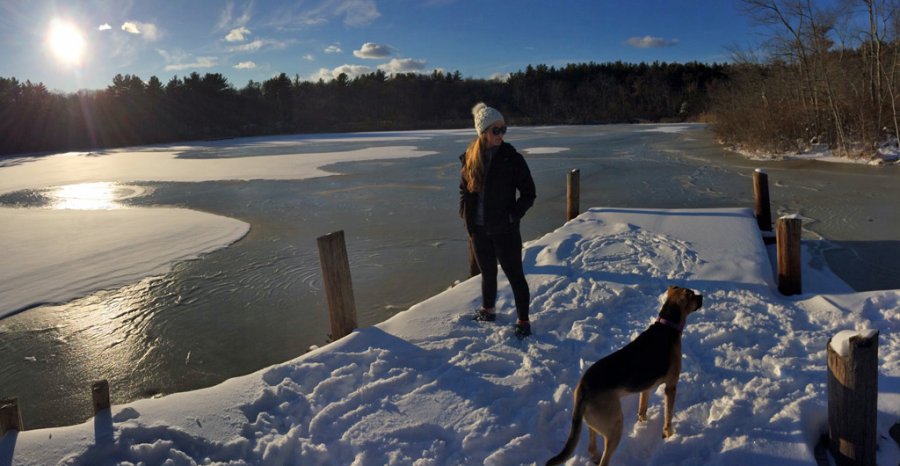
[[671, 290]]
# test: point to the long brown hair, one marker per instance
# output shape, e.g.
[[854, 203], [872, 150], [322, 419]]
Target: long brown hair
[[473, 168]]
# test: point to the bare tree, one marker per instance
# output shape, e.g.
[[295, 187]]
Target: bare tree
[[802, 37], [882, 54]]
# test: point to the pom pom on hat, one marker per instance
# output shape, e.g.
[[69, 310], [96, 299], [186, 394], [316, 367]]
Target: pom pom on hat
[[485, 116]]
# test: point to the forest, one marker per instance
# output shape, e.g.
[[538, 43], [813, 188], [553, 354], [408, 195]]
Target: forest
[[131, 111]]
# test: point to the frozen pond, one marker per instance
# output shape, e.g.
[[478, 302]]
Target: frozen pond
[[259, 301]]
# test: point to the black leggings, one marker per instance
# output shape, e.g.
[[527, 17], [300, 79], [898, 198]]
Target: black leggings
[[507, 249]]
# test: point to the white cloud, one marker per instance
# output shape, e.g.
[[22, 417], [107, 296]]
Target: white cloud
[[501, 77], [151, 33], [257, 45], [200, 62], [355, 13], [227, 19], [179, 60], [104, 27], [245, 65], [225, 16], [148, 31], [324, 74], [651, 42], [334, 48], [358, 12], [352, 71], [309, 57], [237, 34], [403, 65], [248, 47], [371, 50], [313, 21]]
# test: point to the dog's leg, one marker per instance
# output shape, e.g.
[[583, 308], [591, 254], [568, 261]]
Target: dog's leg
[[611, 441], [642, 405], [605, 418], [592, 445], [670, 408]]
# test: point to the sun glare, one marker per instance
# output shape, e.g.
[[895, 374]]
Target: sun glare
[[85, 196], [66, 42]]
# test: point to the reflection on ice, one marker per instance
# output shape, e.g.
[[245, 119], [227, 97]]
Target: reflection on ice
[[84, 196], [92, 196]]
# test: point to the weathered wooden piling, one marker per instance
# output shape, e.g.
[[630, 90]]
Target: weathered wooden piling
[[338, 284], [853, 397], [761, 205], [100, 395], [573, 194], [787, 237], [10, 416]]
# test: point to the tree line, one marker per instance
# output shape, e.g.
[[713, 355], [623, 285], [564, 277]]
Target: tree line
[[820, 77], [131, 111]]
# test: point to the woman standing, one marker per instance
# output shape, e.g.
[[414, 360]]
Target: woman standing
[[495, 191]]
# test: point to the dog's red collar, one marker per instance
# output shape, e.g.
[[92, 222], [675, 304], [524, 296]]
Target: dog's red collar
[[679, 327]]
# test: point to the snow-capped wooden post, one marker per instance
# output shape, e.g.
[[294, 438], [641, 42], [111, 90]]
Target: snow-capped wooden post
[[10, 416], [787, 237], [853, 396], [338, 285], [761, 206], [573, 194], [100, 395]]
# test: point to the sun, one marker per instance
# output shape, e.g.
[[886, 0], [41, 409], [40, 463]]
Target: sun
[[66, 42]]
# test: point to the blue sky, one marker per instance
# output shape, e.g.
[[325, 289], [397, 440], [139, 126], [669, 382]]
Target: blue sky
[[315, 39]]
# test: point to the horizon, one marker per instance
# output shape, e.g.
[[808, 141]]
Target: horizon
[[77, 47]]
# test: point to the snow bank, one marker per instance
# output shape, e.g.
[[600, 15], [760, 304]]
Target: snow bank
[[821, 153], [431, 387], [670, 127]]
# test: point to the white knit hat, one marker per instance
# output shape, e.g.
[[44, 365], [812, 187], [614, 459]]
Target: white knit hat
[[485, 116]]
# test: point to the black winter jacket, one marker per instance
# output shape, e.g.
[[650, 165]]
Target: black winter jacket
[[506, 174]]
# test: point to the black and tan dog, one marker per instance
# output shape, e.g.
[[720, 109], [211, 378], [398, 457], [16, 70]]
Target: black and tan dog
[[653, 358]]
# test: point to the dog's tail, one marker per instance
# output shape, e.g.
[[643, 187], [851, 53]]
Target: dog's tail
[[575, 431]]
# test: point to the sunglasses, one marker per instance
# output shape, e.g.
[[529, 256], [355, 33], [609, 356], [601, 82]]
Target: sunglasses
[[496, 131]]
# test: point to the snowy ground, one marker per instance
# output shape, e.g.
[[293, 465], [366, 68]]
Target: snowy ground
[[888, 153], [430, 387]]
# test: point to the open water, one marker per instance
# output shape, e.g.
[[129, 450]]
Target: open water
[[260, 302]]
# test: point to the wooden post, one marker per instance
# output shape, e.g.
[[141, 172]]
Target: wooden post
[[761, 206], [100, 395], [573, 194], [787, 237], [853, 397], [10, 416], [338, 285]]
